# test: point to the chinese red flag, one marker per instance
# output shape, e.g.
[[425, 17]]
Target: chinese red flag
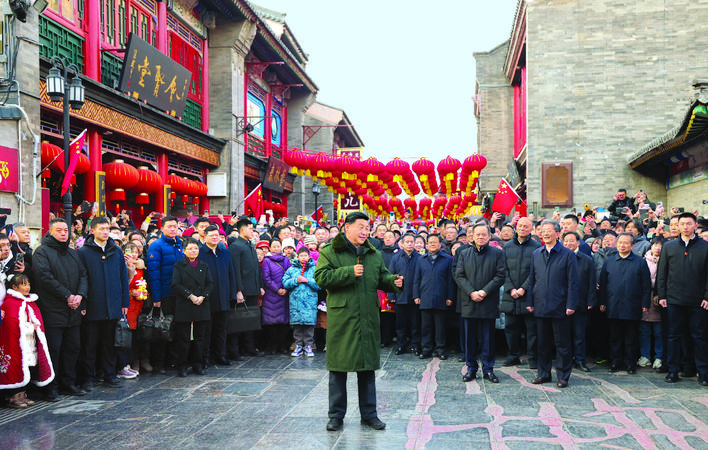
[[75, 149], [505, 199], [254, 201], [317, 215]]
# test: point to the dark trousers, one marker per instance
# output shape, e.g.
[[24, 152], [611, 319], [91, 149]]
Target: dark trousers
[[688, 320], [189, 352], [387, 326], [366, 381], [215, 341], [408, 325], [579, 322], [276, 336], [558, 331], [64, 345], [479, 341], [432, 324], [98, 339], [624, 342], [598, 335], [513, 329]]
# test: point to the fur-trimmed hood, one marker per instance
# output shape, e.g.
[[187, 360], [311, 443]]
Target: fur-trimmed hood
[[29, 298]]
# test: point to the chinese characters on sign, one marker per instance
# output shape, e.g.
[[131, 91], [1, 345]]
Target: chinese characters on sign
[[276, 175], [150, 75], [350, 201], [9, 182]]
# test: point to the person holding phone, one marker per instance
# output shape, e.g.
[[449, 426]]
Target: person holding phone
[[622, 207]]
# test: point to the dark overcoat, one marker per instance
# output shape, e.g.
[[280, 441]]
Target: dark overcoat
[[187, 280], [480, 268]]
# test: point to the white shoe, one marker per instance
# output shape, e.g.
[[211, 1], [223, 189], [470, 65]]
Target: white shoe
[[297, 351], [657, 364], [643, 362], [308, 351], [126, 374]]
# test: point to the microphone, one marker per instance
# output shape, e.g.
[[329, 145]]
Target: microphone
[[360, 252]]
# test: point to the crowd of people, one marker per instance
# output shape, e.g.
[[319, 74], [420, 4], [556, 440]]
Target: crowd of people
[[629, 290]]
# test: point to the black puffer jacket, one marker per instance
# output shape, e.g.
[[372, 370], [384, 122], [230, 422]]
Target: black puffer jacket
[[480, 269], [518, 265], [59, 273], [682, 275]]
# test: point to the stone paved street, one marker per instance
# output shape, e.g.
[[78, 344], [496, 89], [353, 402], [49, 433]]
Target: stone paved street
[[281, 402]]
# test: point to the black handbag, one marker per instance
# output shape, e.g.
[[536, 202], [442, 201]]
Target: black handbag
[[146, 326], [244, 319], [162, 328], [124, 335]]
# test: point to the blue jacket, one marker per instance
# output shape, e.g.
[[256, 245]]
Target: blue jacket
[[625, 286], [303, 296], [162, 256], [222, 273], [433, 283], [107, 280], [553, 282], [587, 283], [403, 264]]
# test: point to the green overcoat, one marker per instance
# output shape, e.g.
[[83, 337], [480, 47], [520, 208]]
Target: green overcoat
[[353, 334]]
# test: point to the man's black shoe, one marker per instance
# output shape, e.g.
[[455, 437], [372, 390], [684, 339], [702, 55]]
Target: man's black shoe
[[161, 370], [613, 369], [512, 361], [373, 422], [690, 373], [469, 376], [257, 353], [200, 371], [581, 366], [415, 351], [672, 377], [182, 373], [541, 380], [222, 362], [663, 368], [112, 382], [87, 385], [236, 358], [72, 390], [51, 396], [631, 370], [426, 355], [442, 356], [703, 379], [334, 424], [400, 351], [461, 358], [491, 377]]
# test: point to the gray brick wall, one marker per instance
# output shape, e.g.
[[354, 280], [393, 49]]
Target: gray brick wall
[[604, 78]]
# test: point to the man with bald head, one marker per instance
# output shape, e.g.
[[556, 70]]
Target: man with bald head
[[518, 253]]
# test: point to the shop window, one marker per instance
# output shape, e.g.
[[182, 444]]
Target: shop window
[[119, 18], [190, 58]]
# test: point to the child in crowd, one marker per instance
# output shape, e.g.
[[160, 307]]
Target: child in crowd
[[651, 320], [299, 279], [289, 248], [138, 294], [311, 244], [24, 354]]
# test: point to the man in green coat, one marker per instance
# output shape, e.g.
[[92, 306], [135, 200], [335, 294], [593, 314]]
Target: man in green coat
[[351, 270]]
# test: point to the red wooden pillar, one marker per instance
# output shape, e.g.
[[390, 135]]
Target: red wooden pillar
[[162, 27], [524, 107], [95, 142], [205, 87], [93, 39], [162, 170], [205, 200], [517, 121], [268, 124]]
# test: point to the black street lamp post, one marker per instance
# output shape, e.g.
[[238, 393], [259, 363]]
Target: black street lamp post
[[316, 191], [59, 88]]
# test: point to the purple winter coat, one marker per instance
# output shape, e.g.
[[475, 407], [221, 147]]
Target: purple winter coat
[[276, 308]]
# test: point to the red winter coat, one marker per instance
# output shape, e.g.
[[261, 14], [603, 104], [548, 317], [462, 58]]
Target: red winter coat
[[14, 371]]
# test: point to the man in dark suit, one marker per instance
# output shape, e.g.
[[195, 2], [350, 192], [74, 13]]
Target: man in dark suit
[[553, 298], [249, 279], [480, 273]]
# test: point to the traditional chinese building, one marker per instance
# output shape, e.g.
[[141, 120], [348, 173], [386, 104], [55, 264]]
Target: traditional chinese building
[[590, 83]]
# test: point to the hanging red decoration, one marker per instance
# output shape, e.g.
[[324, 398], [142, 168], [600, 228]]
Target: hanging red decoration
[[447, 170], [412, 206], [321, 166], [121, 175], [425, 170], [50, 155], [177, 183], [142, 199], [471, 167], [149, 181]]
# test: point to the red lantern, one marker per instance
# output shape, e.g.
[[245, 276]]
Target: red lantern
[[298, 161], [50, 155], [397, 168], [177, 183], [142, 199], [373, 168], [447, 170], [121, 175], [148, 181], [411, 205], [116, 196], [321, 166], [471, 167], [348, 165], [426, 175]]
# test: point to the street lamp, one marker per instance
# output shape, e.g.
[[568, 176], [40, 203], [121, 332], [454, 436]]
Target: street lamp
[[72, 93], [316, 191]]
